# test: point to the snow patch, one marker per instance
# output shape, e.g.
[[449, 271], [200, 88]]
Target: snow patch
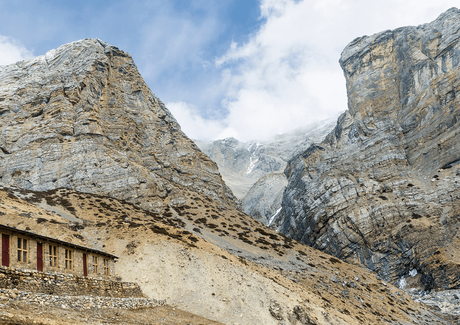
[[253, 159], [273, 217], [413, 273], [252, 145], [402, 283], [252, 163]]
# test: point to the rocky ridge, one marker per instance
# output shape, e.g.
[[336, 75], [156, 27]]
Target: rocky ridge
[[382, 190], [254, 169], [82, 117]]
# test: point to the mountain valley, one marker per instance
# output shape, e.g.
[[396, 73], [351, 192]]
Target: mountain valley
[[254, 170], [346, 221]]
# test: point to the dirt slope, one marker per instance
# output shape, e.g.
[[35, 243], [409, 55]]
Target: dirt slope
[[214, 261]]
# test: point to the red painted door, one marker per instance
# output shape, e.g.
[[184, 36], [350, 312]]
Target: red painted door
[[85, 268], [5, 250], [40, 257]]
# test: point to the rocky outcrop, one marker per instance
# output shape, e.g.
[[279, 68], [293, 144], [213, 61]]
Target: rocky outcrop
[[82, 117], [254, 169], [382, 189]]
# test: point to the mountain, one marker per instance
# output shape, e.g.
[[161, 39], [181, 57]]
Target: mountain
[[382, 189], [89, 155], [254, 169], [82, 117]]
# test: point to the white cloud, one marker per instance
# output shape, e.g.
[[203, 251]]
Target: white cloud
[[11, 51], [174, 40], [287, 75], [195, 126]]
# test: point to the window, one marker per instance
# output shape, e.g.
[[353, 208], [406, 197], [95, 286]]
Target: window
[[53, 256], [68, 256], [94, 265], [22, 250], [106, 267]]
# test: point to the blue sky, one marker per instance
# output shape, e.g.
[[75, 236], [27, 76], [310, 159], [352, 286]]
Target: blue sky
[[243, 68], [174, 43]]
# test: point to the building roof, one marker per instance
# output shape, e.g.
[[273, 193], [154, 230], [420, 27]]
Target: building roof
[[57, 241]]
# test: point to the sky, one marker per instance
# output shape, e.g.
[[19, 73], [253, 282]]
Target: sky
[[243, 68]]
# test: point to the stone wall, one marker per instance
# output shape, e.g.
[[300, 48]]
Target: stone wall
[[73, 302], [66, 284]]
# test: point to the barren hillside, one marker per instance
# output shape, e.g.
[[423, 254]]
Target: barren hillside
[[214, 261]]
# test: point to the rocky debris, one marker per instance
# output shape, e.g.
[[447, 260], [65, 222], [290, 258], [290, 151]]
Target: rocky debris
[[75, 302], [81, 117], [275, 310], [253, 169], [382, 190], [21, 313]]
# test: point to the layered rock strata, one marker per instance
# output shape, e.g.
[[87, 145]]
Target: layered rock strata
[[382, 189], [82, 117]]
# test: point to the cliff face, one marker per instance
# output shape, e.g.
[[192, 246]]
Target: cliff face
[[254, 169], [383, 188], [82, 117]]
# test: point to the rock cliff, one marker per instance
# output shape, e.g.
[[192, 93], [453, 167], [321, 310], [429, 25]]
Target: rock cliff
[[254, 169], [382, 189], [82, 117]]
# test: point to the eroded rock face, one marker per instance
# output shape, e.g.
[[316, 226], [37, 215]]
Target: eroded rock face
[[383, 188], [82, 117]]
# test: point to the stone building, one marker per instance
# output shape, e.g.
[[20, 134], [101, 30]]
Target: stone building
[[27, 250]]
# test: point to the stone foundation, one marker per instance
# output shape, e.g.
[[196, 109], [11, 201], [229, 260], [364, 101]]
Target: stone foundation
[[75, 302], [66, 284]]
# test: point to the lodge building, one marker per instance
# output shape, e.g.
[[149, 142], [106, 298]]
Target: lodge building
[[27, 250]]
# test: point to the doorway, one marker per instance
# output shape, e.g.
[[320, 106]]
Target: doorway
[[5, 250], [85, 267], [40, 257]]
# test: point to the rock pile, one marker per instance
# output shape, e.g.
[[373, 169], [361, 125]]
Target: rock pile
[[447, 301]]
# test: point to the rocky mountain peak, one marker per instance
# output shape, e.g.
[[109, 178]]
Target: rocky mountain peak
[[82, 117], [382, 189]]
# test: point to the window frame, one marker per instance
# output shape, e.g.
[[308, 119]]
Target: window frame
[[95, 264], [21, 250], [68, 258], [106, 267], [53, 257]]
